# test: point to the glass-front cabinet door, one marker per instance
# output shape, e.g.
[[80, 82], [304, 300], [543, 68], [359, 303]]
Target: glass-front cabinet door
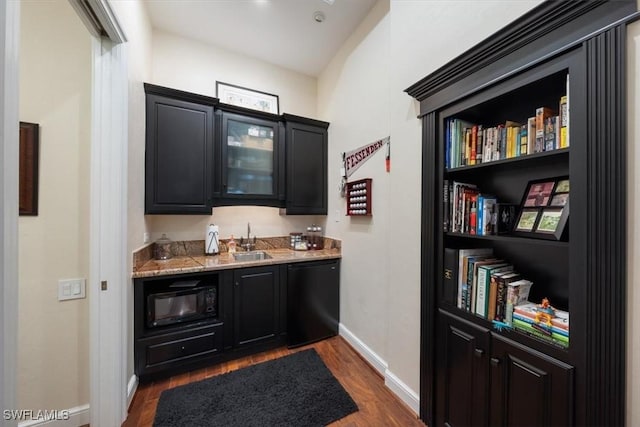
[[250, 157]]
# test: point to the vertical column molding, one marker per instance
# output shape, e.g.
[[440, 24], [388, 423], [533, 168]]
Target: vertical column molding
[[9, 137], [606, 228], [108, 314], [428, 303]]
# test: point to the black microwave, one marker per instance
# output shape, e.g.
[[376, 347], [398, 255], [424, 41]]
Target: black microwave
[[181, 301]]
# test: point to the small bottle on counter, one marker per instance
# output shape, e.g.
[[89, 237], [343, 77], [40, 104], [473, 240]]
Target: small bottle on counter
[[319, 238], [231, 245]]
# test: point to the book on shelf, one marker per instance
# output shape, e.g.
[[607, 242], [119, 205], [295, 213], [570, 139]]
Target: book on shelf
[[542, 113], [450, 276], [473, 145], [564, 122], [502, 145], [511, 128], [483, 281], [466, 208], [454, 142], [470, 266], [541, 325], [480, 144], [486, 211], [447, 144], [551, 133], [523, 140], [462, 278], [531, 135], [529, 329], [517, 292], [446, 208], [458, 201], [473, 213], [500, 282], [467, 148], [560, 320]]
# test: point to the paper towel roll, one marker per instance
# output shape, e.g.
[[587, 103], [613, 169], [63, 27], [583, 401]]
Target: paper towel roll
[[211, 246]]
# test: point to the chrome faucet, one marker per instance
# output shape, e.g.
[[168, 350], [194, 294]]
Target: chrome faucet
[[248, 246]]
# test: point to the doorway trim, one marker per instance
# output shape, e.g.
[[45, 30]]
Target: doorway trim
[[9, 69], [108, 225]]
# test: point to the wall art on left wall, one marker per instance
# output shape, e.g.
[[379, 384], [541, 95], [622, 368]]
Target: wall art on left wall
[[28, 167]]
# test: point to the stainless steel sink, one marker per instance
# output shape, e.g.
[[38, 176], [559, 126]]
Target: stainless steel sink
[[251, 256]]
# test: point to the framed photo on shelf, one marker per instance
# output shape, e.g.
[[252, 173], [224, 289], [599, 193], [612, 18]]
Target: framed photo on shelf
[[544, 211], [247, 98]]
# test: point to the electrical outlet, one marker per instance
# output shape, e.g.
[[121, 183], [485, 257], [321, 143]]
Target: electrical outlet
[[71, 289], [145, 238]]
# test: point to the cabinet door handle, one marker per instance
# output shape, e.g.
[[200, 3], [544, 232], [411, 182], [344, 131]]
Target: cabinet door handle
[[237, 283], [495, 361], [478, 352]]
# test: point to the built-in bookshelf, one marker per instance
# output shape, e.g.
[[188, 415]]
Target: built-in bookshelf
[[513, 130]]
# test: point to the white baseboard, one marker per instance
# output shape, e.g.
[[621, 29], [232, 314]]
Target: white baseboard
[[399, 388], [403, 391], [369, 355], [73, 417], [132, 386]]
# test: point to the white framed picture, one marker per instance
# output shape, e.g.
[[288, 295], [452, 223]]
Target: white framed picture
[[247, 98]]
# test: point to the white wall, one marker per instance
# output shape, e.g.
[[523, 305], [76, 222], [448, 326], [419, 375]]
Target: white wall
[[361, 94], [55, 91], [353, 94], [193, 66]]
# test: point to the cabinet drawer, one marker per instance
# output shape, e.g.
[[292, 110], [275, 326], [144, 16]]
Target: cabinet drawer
[[206, 341]]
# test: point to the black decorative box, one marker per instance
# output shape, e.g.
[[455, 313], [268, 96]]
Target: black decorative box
[[506, 217]]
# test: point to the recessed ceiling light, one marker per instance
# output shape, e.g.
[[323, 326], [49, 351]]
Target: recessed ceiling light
[[329, 2], [318, 16]]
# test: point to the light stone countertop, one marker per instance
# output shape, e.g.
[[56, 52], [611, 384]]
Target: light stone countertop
[[225, 261]]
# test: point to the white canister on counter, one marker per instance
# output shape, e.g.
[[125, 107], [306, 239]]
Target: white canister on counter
[[211, 245]]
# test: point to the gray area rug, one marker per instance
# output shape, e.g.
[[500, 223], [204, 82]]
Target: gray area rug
[[296, 390]]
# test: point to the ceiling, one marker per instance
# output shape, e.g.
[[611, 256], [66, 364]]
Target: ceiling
[[282, 32]]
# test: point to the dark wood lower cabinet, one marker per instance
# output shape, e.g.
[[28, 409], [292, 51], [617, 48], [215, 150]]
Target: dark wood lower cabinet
[[462, 373], [527, 388], [179, 348], [251, 315], [484, 379], [256, 305], [313, 301]]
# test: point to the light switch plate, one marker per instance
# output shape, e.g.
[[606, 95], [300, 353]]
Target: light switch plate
[[71, 289]]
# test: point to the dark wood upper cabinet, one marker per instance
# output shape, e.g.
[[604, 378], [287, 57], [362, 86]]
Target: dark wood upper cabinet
[[252, 158], [306, 166], [200, 154], [179, 158]]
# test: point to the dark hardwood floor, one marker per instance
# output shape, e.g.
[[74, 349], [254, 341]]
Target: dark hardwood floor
[[378, 405]]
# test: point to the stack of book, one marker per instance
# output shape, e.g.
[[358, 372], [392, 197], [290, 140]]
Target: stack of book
[[526, 319], [480, 283], [467, 210], [468, 144]]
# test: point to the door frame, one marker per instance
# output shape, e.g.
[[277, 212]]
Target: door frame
[[9, 68]]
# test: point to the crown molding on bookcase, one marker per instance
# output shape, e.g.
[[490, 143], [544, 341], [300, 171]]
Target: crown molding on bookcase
[[537, 27]]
